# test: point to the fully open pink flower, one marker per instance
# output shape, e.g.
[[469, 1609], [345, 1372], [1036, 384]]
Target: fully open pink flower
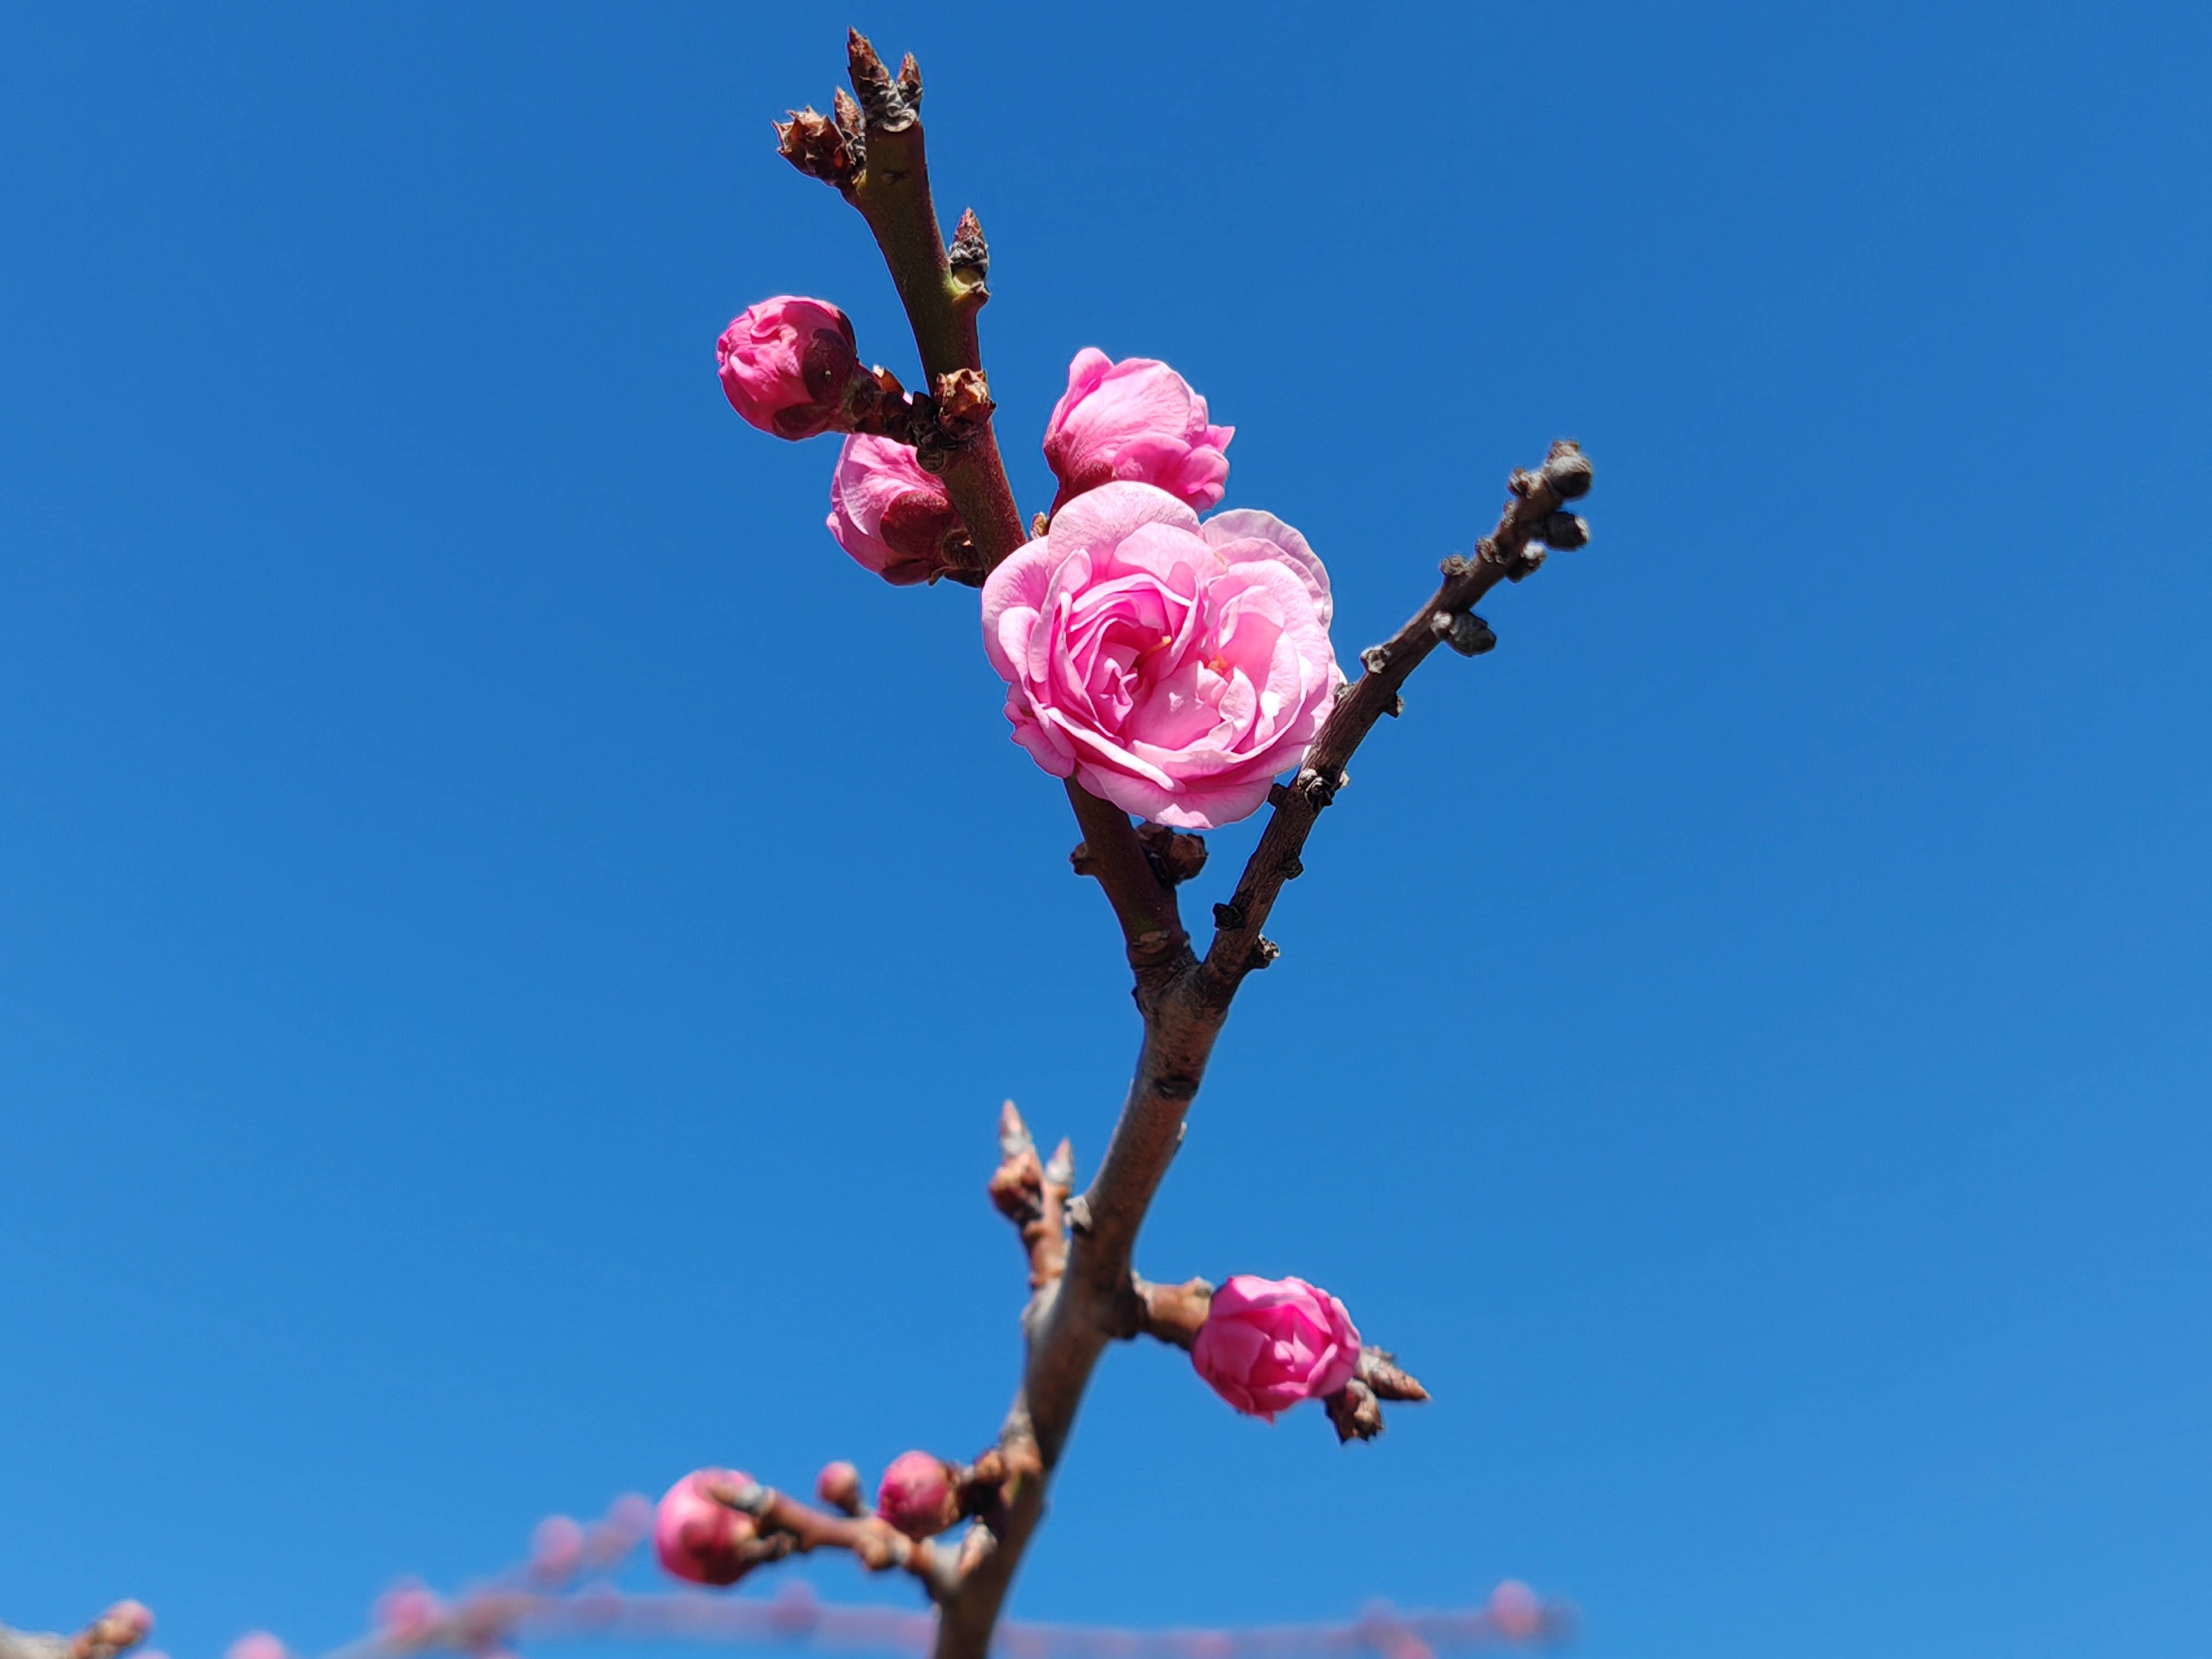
[[1268, 1343], [1174, 668], [1136, 419], [890, 515], [698, 1539], [785, 362]]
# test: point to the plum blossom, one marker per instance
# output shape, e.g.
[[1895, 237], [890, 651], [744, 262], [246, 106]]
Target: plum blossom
[[892, 517], [1268, 1343], [1136, 419], [785, 363], [1172, 668]]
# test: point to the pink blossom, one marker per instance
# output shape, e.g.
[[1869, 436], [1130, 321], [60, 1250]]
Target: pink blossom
[[698, 1539], [890, 515], [256, 1644], [407, 1613], [1173, 668], [785, 363], [916, 1495], [1515, 1610], [1268, 1343], [1135, 419]]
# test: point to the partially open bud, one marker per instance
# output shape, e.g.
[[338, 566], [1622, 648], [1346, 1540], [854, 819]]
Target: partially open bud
[[1136, 419], [839, 1487], [891, 516], [785, 362], [698, 1539], [917, 1495], [1267, 1344]]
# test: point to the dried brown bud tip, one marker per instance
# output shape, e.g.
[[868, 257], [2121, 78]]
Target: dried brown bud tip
[[1565, 532], [969, 255], [1568, 472], [963, 402], [1355, 1412], [884, 101], [1175, 857], [1470, 635], [811, 142], [909, 80]]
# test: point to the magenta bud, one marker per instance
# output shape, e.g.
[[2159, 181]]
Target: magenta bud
[[785, 363], [917, 1495], [698, 1539]]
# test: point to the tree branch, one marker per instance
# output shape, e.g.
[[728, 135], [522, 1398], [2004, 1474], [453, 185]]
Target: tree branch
[[874, 152], [787, 1527]]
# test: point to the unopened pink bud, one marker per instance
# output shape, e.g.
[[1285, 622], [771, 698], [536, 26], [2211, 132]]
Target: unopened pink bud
[[784, 364], [556, 1547], [1268, 1343], [256, 1644], [916, 1495], [698, 1539], [127, 1623], [1139, 420], [1515, 1610], [892, 517], [406, 1613], [839, 1487]]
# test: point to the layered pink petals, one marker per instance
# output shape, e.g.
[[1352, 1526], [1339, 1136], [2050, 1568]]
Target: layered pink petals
[[890, 515], [698, 1539], [1268, 1343], [1135, 420], [1172, 668], [785, 363]]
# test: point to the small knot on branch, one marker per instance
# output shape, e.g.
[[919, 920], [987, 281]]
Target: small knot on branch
[[1319, 788], [1470, 635], [1175, 856], [1263, 955]]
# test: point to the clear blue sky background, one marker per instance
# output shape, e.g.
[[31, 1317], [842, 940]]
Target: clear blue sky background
[[510, 945]]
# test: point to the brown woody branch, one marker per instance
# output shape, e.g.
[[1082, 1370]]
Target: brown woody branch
[[788, 1527], [1533, 515], [117, 1631], [872, 151]]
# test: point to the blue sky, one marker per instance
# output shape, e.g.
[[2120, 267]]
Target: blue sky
[[510, 944]]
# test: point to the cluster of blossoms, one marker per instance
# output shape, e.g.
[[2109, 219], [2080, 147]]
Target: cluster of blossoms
[[1265, 1344], [1171, 665]]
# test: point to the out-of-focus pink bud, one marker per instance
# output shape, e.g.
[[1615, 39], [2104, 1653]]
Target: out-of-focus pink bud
[[839, 1487], [256, 1644], [1268, 1343], [124, 1626], [556, 1547], [406, 1613], [785, 363], [698, 1539], [917, 1495], [1515, 1610], [1136, 419], [890, 515], [630, 1516]]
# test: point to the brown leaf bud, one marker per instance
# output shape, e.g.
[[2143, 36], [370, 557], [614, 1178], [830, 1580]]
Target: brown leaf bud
[[1568, 470], [1470, 635], [812, 142], [1565, 532]]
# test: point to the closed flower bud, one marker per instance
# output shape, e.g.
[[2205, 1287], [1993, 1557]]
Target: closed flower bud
[[891, 516], [785, 363], [917, 1495], [1268, 1343], [698, 1539], [1136, 420], [406, 1613], [839, 1487]]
